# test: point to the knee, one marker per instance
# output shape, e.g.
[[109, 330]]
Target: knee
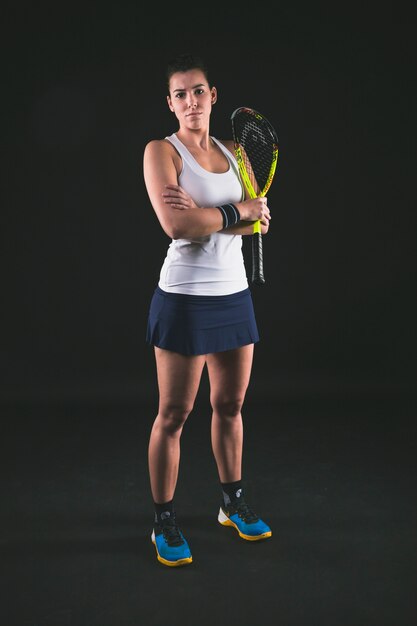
[[227, 407], [173, 417]]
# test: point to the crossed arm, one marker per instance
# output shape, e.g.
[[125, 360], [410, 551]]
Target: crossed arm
[[177, 212]]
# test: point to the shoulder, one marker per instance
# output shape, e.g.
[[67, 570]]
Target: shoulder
[[161, 154], [160, 150], [158, 146]]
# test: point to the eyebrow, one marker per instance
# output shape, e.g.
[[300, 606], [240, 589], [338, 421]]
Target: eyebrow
[[193, 87]]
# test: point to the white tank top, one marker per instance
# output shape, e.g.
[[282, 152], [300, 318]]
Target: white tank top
[[214, 264]]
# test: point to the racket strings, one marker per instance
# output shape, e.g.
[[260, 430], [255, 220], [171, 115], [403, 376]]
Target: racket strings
[[257, 148]]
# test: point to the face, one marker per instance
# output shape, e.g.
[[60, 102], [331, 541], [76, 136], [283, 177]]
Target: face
[[191, 98]]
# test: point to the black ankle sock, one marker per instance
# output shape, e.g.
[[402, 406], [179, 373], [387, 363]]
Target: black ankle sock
[[163, 511], [232, 492]]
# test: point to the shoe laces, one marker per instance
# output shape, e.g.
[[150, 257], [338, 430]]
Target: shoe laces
[[246, 514], [171, 532]]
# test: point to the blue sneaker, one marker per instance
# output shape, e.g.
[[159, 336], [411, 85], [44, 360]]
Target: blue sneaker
[[171, 547], [247, 523]]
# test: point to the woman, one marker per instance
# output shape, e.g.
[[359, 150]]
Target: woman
[[201, 313]]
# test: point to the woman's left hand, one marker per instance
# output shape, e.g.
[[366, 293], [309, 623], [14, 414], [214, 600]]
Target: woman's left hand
[[177, 198]]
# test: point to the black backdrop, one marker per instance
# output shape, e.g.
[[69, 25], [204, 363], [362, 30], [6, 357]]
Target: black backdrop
[[84, 90]]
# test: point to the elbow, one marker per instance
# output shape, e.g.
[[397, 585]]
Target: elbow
[[170, 229], [178, 229], [174, 232], [174, 228]]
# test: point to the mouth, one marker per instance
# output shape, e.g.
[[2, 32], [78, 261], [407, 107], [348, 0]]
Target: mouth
[[193, 114]]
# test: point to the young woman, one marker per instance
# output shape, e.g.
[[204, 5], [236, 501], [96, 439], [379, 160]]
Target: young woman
[[201, 313]]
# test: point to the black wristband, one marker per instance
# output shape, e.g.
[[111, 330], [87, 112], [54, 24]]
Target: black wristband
[[230, 214]]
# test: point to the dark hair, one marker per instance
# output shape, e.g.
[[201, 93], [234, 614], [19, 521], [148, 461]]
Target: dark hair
[[183, 63]]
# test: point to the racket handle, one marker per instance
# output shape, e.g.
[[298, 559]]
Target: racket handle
[[257, 259]]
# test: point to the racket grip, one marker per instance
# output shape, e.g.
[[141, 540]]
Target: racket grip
[[257, 259]]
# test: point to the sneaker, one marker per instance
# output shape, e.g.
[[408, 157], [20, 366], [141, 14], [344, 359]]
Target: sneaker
[[247, 523], [171, 547]]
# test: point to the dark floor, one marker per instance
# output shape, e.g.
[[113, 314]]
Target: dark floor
[[336, 480]]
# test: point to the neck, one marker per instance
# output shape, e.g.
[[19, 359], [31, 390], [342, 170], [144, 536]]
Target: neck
[[195, 138]]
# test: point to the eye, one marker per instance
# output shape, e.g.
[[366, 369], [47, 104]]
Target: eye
[[180, 94], [199, 91]]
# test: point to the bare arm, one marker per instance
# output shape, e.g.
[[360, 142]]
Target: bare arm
[[160, 171]]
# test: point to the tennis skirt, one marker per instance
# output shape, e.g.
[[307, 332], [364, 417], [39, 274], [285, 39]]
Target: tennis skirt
[[194, 325]]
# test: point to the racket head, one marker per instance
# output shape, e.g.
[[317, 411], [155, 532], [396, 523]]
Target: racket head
[[256, 148]]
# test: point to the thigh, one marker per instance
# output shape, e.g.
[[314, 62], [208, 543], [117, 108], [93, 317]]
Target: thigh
[[229, 372], [178, 377]]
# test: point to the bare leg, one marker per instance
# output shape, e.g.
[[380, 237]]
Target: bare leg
[[178, 381], [229, 374]]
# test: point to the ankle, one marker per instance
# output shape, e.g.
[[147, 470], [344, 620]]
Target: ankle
[[232, 493], [164, 511]]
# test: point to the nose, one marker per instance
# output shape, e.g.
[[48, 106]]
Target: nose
[[192, 103]]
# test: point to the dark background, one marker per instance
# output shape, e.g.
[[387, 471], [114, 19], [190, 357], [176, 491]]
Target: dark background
[[84, 91], [334, 379]]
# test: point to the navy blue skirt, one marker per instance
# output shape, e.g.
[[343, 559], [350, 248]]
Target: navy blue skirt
[[194, 325]]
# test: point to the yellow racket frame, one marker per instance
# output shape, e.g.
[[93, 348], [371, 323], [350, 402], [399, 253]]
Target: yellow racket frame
[[248, 183]]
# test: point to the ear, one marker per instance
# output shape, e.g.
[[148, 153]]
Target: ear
[[170, 104], [213, 95]]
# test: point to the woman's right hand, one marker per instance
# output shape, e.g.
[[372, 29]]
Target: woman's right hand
[[254, 209]]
